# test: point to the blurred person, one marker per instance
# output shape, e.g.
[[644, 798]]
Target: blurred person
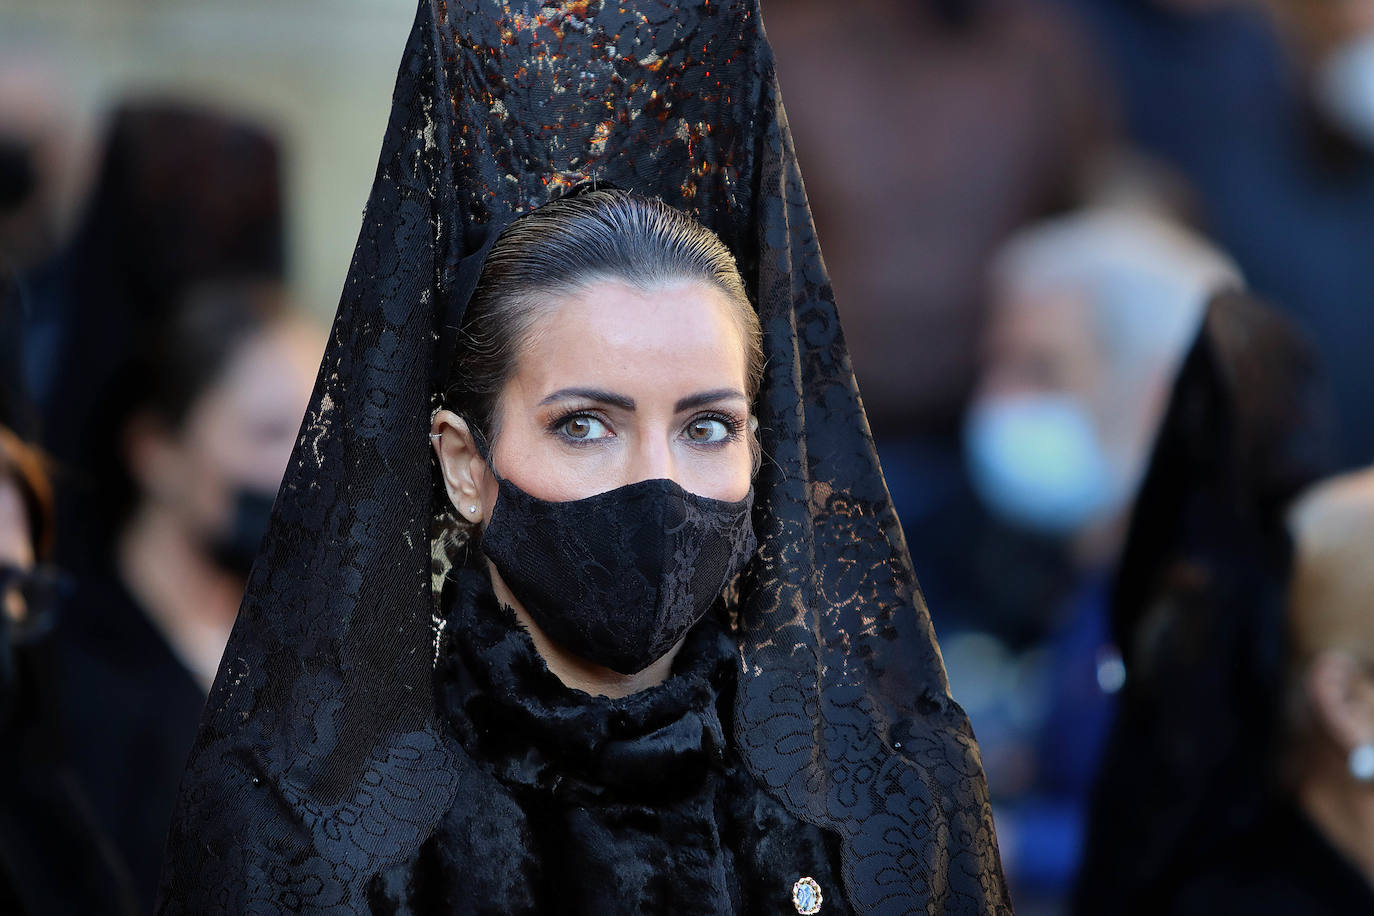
[[41, 154], [169, 379], [54, 858], [42, 158], [183, 194], [1312, 850], [931, 131], [1091, 314], [1198, 608], [199, 425], [1263, 116]]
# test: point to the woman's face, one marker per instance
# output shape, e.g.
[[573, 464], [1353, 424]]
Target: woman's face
[[238, 434], [618, 385]]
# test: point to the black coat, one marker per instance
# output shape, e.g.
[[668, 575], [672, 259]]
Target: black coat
[[578, 804], [55, 858], [1283, 866], [128, 716]]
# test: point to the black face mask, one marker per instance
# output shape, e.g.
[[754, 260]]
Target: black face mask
[[235, 548], [618, 578]]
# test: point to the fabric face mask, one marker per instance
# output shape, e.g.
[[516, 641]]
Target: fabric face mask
[[235, 548], [1036, 460], [1345, 88], [618, 578]]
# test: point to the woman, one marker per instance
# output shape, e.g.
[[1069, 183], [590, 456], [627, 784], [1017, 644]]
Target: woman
[[193, 434], [170, 385], [53, 856], [1311, 849], [548, 733]]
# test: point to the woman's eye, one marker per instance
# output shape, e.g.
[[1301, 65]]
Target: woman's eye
[[583, 427], [707, 429]]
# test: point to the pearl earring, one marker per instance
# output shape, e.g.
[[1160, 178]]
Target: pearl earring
[[1362, 762], [473, 510]]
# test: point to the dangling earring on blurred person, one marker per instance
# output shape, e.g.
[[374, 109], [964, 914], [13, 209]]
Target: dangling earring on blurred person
[[1306, 841], [1330, 702]]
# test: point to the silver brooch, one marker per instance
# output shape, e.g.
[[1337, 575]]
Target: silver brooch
[[806, 896]]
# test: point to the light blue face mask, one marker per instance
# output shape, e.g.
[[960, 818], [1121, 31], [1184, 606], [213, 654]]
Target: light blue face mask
[[1036, 460], [1345, 87]]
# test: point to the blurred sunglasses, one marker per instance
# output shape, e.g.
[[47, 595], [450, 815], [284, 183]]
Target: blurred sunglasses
[[29, 599]]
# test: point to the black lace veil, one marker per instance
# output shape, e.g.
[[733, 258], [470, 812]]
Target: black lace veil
[[320, 758]]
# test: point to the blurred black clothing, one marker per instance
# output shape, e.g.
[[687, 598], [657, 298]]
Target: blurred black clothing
[[1284, 866], [1199, 607], [16, 409], [18, 174], [128, 715], [55, 857], [589, 805]]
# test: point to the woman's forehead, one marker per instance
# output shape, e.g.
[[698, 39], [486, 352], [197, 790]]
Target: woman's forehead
[[618, 337]]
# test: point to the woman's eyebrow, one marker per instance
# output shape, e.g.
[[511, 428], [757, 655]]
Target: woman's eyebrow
[[590, 394], [708, 397]]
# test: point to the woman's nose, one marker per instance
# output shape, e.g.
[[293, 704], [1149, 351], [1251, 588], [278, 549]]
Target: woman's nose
[[652, 459]]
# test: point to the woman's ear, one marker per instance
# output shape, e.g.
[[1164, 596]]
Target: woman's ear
[[460, 464], [1342, 698]]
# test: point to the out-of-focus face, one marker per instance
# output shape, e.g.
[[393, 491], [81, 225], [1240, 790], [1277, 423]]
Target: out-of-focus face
[[1042, 344], [1330, 630], [619, 385], [16, 544], [1057, 432], [238, 436]]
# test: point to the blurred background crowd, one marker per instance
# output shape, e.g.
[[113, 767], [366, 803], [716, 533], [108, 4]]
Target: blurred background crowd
[[1104, 267]]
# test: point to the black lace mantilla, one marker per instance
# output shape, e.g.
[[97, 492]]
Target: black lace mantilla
[[321, 760]]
